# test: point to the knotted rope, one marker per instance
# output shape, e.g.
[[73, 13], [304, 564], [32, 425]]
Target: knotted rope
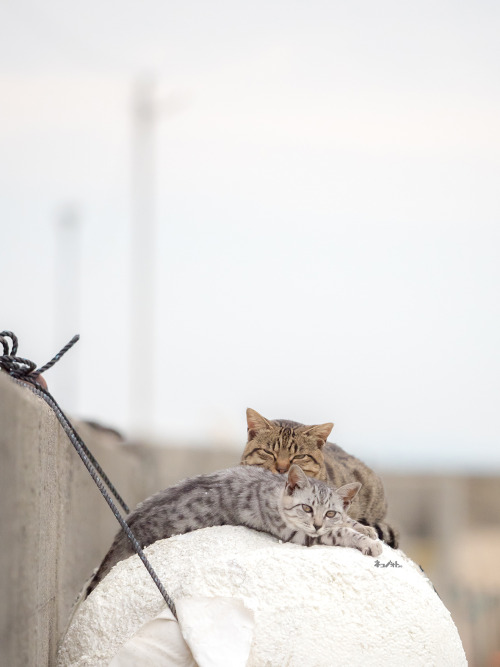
[[24, 372]]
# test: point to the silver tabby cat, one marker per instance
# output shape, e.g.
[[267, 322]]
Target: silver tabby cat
[[275, 444], [293, 508]]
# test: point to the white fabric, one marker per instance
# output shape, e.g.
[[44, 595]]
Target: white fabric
[[158, 642], [219, 631], [312, 607]]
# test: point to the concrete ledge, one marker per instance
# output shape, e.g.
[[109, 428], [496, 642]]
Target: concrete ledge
[[56, 527]]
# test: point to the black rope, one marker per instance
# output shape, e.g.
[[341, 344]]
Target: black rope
[[55, 359], [23, 372]]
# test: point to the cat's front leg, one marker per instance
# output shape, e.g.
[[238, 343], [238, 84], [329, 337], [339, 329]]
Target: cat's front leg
[[345, 536], [298, 537], [361, 528]]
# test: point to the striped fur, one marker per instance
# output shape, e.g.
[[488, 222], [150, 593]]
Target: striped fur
[[276, 444], [293, 508]]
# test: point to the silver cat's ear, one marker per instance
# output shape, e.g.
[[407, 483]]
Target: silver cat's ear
[[348, 492], [256, 423], [320, 432], [297, 479]]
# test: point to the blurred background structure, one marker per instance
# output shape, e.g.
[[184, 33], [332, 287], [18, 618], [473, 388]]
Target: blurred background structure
[[285, 206]]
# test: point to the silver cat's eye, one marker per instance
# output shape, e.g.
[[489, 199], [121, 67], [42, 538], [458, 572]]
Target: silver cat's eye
[[307, 508], [330, 514]]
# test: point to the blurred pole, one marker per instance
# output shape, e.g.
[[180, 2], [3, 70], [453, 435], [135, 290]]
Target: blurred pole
[[68, 259], [451, 513], [143, 260]]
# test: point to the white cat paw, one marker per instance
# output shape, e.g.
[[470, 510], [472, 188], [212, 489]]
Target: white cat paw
[[371, 533], [372, 549]]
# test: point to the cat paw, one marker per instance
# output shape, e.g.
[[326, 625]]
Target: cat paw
[[364, 530], [372, 549], [370, 532]]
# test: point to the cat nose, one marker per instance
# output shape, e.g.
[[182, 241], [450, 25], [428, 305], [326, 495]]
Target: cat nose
[[282, 467], [317, 525]]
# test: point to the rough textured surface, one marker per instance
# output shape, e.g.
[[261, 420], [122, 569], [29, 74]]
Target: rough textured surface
[[55, 526], [318, 606]]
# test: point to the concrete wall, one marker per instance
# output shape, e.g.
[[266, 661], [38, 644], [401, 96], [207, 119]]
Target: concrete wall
[[55, 526]]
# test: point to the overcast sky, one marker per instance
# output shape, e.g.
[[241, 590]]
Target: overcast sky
[[327, 209]]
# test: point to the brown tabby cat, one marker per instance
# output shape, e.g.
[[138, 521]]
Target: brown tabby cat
[[276, 444]]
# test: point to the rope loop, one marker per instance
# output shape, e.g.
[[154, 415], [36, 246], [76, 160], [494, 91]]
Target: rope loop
[[5, 343], [22, 368]]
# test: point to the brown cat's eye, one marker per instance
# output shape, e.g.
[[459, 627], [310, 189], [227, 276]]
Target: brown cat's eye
[[264, 453], [330, 514], [300, 456], [307, 509]]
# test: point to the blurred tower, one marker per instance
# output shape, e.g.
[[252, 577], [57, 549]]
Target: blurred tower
[[143, 259], [68, 260]]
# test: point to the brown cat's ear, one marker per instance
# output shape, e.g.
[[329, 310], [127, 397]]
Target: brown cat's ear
[[320, 432], [348, 492], [256, 423], [297, 479]]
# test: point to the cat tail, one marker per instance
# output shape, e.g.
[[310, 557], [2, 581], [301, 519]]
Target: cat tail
[[385, 531], [120, 549]]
